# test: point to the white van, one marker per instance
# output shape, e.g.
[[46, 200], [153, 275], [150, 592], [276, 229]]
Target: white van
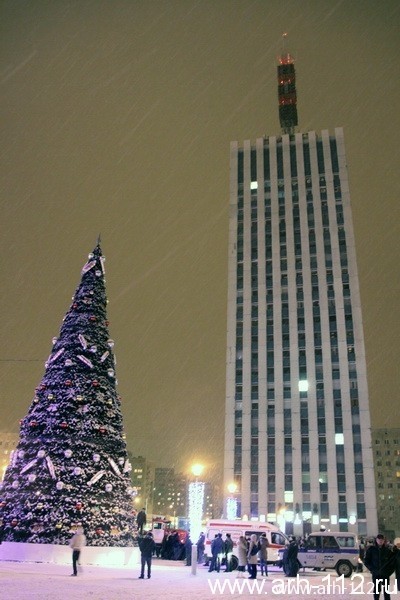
[[337, 550], [236, 528]]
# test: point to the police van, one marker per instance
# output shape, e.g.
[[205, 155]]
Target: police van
[[330, 550], [276, 539]]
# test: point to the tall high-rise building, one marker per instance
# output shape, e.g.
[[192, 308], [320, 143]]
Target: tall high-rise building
[[297, 432]]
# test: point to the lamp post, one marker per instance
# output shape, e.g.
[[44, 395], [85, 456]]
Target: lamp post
[[231, 502], [196, 499]]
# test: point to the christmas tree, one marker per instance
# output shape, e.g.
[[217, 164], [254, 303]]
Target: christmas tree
[[71, 465]]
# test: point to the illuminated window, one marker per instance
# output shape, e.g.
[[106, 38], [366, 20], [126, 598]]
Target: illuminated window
[[303, 385]]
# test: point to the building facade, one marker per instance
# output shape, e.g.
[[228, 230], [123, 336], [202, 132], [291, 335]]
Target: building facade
[[386, 447], [142, 476], [297, 431], [170, 493]]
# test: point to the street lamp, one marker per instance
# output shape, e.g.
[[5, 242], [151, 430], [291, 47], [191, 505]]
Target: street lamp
[[231, 502], [196, 499]]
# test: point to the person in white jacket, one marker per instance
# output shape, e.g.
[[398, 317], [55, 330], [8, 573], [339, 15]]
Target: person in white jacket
[[78, 541]]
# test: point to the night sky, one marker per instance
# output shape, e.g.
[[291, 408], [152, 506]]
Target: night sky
[[116, 119]]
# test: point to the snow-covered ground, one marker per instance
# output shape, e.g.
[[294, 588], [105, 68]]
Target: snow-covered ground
[[170, 580]]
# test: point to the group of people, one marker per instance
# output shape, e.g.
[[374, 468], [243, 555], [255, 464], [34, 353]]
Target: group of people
[[380, 558], [250, 551]]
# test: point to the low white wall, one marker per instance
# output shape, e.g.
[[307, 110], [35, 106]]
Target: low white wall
[[61, 555]]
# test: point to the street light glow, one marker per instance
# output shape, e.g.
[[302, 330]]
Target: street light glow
[[197, 469]]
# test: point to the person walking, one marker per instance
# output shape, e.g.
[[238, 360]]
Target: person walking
[[78, 541], [242, 549], [141, 520], [379, 560], [147, 546], [252, 556], [263, 554]]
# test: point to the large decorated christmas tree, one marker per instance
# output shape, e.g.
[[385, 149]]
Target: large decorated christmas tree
[[71, 465]]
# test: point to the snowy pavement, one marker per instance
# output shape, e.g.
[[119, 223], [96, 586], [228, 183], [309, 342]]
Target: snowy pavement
[[40, 581]]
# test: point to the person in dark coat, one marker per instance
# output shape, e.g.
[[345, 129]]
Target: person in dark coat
[[252, 556], [147, 546], [395, 561], [263, 553], [217, 549], [201, 547], [188, 550], [396, 550], [141, 520], [228, 549], [289, 561], [379, 560]]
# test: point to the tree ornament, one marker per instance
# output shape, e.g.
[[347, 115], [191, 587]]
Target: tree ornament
[[102, 429], [50, 466], [96, 457], [79, 505], [14, 523], [39, 505], [41, 454], [15, 484], [21, 454], [77, 471], [127, 466], [93, 349], [83, 341], [108, 487], [85, 360], [33, 424], [68, 362], [64, 425], [92, 318], [79, 398], [59, 485], [98, 273], [55, 356], [88, 266], [104, 356], [110, 372], [31, 477], [95, 383], [114, 466], [68, 453], [58, 525], [111, 343], [68, 382], [36, 399], [96, 477], [54, 340], [99, 531]]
